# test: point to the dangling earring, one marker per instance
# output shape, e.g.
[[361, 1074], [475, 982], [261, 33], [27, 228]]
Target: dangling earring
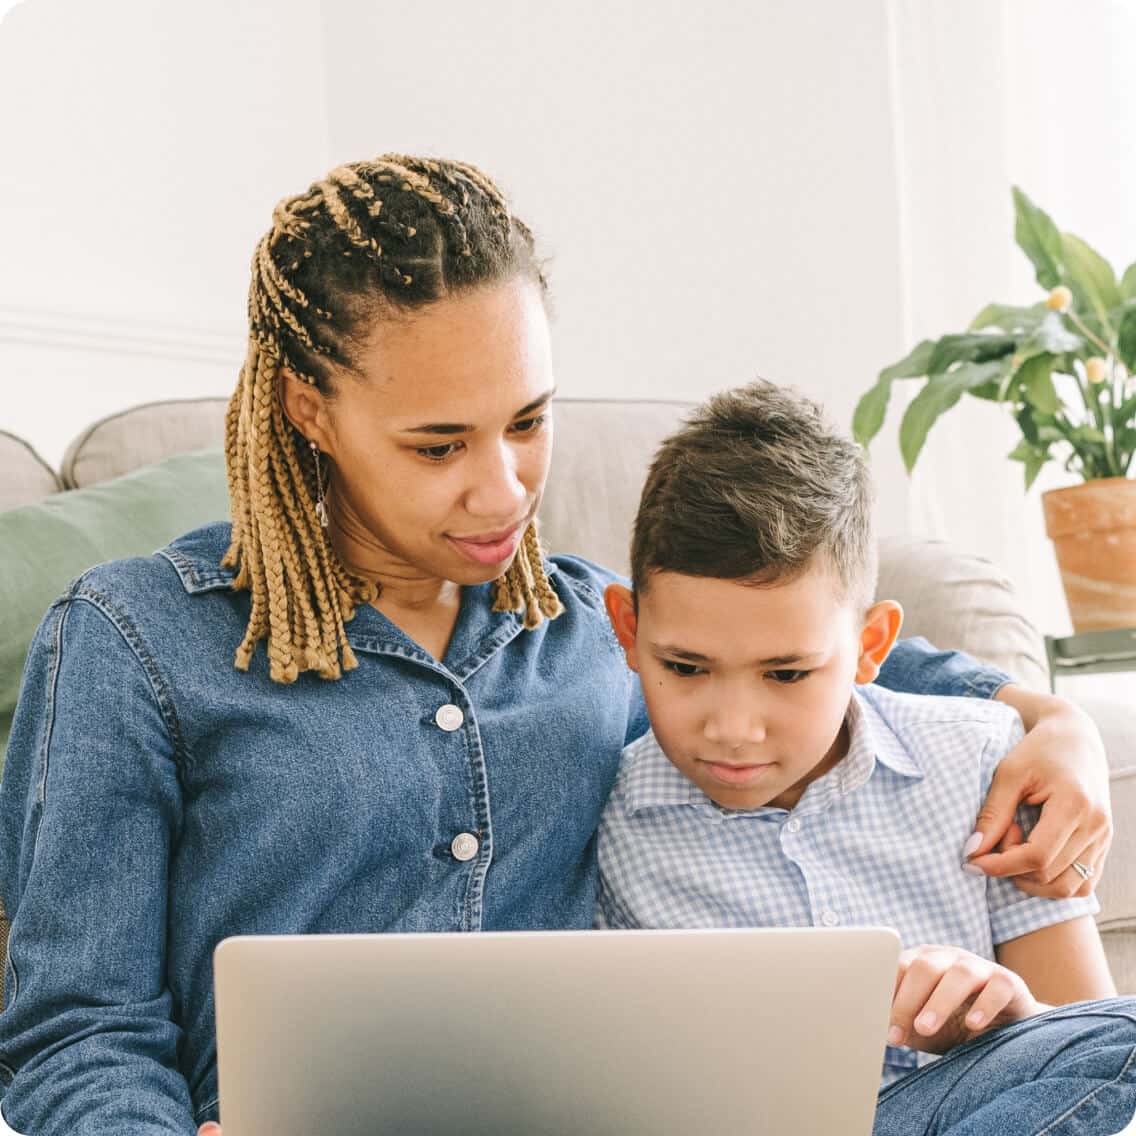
[[321, 504]]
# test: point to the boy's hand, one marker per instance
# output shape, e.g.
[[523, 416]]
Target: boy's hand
[[945, 996], [1060, 764]]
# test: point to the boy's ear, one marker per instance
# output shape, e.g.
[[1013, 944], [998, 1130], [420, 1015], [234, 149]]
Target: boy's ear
[[877, 637], [620, 604]]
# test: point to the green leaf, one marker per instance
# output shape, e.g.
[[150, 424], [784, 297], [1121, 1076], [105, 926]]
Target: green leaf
[[968, 348], [1089, 435], [938, 395], [1038, 238], [990, 391], [1035, 377], [1128, 282], [872, 407], [1090, 277], [1027, 425], [1035, 463], [1008, 318], [1126, 340], [1034, 458]]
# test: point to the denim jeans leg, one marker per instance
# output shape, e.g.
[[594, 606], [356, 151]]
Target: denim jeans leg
[[1068, 1072]]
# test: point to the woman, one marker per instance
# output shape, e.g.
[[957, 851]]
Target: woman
[[428, 736]]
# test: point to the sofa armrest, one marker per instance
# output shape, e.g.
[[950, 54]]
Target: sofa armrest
[[962, 602]]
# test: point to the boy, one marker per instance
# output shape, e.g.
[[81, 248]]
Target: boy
[[777, 787]]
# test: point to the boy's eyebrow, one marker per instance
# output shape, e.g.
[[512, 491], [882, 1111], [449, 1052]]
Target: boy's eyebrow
[[694, 657], [463, 428]]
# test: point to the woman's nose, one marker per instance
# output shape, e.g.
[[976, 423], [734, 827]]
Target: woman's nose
[[498, 491]]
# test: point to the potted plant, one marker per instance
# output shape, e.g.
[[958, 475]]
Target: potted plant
[[1064, 369]]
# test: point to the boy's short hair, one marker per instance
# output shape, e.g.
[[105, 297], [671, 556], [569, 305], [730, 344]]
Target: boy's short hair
[[755, 486]]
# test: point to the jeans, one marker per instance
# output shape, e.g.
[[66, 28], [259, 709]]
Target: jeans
[[1068, 1072]]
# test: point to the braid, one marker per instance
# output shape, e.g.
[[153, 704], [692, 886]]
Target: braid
[[525, 587], [334, 256], [280, 552]]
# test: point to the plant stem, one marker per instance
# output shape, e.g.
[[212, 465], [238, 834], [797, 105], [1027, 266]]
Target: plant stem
[[1087, 333]]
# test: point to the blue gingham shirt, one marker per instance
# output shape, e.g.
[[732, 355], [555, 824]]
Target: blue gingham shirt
[[877, 840]]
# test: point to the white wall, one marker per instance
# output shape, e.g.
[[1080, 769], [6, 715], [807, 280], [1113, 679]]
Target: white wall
[[795, 190], [714, 182], [142, 147]]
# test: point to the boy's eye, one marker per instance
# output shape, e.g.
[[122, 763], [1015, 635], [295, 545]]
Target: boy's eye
[[787, 677], [530, 425], [440, 452], [683, 670]]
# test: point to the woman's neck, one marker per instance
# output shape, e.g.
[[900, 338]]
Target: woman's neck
[[423, 606]]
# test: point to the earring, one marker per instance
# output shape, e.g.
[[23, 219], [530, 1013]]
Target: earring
[[321, 504]]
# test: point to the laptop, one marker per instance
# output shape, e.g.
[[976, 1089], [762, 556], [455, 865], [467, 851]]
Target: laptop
[[574, 1033]]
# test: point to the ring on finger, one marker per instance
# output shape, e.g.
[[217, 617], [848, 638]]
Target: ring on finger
[[1082, 870]]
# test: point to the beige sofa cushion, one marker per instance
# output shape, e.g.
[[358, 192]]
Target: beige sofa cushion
[[597, 473], [24, 476], [960, 601], [142, 436]]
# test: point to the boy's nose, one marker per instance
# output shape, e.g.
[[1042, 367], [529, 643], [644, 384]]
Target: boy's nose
[[735, 726]]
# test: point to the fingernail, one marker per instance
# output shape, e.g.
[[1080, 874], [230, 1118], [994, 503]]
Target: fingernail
[[975, 1019], [973, 870], [895, 1036], [927, 1023], [971, 845]]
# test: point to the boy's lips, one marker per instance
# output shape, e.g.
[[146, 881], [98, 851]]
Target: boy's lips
[[736, 775]]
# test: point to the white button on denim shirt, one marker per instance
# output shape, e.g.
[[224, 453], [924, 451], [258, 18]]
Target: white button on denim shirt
[[464, 846], [157, 800], [449, 718]]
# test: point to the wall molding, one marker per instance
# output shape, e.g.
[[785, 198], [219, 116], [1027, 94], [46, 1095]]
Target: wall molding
[[115, 335]]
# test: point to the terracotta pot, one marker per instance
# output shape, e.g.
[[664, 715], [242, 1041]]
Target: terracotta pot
[[1093, 529]]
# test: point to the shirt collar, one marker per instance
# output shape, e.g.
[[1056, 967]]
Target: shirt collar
[[649, 780]]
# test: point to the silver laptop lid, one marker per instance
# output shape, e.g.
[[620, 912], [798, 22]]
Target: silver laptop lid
[[577, 1032]]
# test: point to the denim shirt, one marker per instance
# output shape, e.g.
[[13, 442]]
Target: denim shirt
[[157, 800]]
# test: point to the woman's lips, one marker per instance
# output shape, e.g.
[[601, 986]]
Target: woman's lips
[[493, 548], [736, 775]]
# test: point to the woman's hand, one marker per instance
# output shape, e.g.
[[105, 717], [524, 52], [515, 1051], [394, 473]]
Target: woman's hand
[[945, 996], [1060, 764], [209, 1129]]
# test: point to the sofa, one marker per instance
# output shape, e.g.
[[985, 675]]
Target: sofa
[[135, 479]]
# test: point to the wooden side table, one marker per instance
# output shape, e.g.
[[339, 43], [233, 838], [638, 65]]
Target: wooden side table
[[1091, 652]]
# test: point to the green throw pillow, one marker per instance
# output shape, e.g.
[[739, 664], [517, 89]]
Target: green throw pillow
[[43, 547]]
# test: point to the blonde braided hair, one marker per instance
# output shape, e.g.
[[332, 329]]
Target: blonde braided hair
[[387, 235]]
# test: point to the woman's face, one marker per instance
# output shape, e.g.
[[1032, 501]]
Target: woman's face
[[441, 447]]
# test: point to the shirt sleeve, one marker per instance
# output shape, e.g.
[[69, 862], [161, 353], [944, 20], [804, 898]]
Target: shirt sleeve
[[90, 806], [916, 667], [1012, 912]]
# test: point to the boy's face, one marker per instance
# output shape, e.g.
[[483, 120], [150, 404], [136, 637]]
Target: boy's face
[[747, 687]]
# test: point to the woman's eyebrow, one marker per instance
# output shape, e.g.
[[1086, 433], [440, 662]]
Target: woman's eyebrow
[[463, 428]]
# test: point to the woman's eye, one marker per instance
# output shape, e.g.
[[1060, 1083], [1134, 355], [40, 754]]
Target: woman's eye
[[530, 425], [683, 670], [787, 677], [440, 452]]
